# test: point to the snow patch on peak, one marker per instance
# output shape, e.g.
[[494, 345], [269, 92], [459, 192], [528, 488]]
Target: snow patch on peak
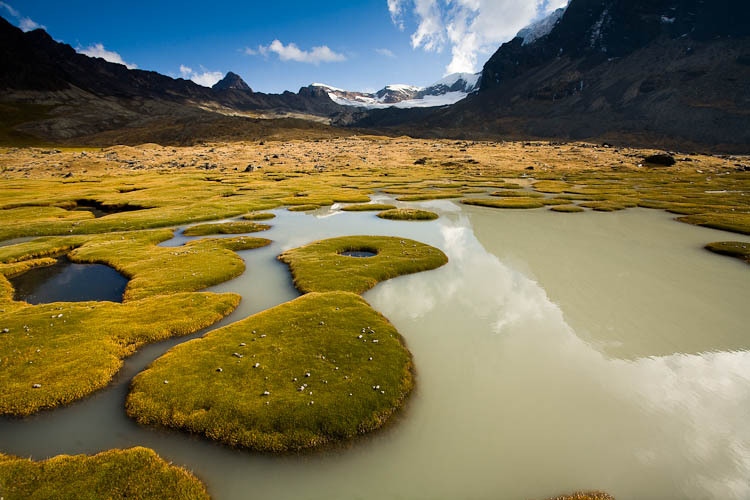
[[542, 27], [329, 87]]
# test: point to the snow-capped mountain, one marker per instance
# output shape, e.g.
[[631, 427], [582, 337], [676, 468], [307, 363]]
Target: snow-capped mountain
[[542, 27], [448, 90]]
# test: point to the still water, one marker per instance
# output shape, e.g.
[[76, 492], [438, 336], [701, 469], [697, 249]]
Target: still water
[[555, 352]]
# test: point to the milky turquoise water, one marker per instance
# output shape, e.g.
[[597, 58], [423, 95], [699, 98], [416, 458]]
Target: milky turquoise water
[[555, 352]]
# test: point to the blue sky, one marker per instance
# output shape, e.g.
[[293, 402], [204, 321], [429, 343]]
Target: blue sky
[[284, 45]]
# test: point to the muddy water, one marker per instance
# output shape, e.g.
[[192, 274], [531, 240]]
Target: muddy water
[[555, 352]]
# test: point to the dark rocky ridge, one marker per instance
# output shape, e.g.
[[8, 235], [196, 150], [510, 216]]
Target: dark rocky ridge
[[672, 73], [232, 81]]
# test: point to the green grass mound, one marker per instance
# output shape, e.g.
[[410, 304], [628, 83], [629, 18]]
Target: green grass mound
[[320, 369], [505, 202], [609, 205], [407, 214], [53, 354], [437, 195], [320, 267], [153, 270], [225, 228], [366, 207], [567, 209], [585, 495], [734, 222], [259, 216], [735, 249], [134, 473], [517, 194], [303, 208], [553, 187]]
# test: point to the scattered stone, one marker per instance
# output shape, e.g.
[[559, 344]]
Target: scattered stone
[[256, 365], [664, 159], [37, 386], [166, 381], [237, 355], [219, 370], [266, 393]]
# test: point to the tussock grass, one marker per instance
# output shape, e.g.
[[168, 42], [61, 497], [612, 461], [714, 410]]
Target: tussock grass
[[225, 228], [505, 202], [437, 195], [516, 194], [319, 267], [152, 270], [734, 222], [586, 495], [74, 349], [407, 214], [293, 377], [736, 249], [134, 473], [259, 216], [368, 207], [566, 208], [303, 208]]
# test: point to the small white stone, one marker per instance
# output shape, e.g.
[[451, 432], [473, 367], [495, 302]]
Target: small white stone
[[166, 381], [266, 393], [256, 365], [307, 374], [37, 386]]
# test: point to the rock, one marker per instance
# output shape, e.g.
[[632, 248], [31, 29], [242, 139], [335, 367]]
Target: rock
[[6, 330], [219, 370], [166, 381], [421, 161], [307, 374], [37, 386], [256, 365], [266, 393], [236, 355], [68, 175], [249, 168], [664, 159]]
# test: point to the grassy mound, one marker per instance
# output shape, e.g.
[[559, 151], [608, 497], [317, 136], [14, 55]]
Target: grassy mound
[[505, 202], [134, 473], [567, 208], [365, 207], [53, 354], [735, 249], [734, 222], [319, 267], [152, 270], [319, 369], [225, 228], [586, 495], [259, 216], [424, 196], [407, 214], [303, 208]]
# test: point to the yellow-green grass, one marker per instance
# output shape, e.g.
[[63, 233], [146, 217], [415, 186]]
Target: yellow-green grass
[[365, 207], [505, 202], [259, 216], [517, 194], [152, 270], [423, 196], [303, 208], [612, 205], [239, 227], [320, 369], [737, 249], [320, 267], [407, 214], [566, 208], [585, 495], [137, 473], [551, 186], [734, 222], [73, 349]]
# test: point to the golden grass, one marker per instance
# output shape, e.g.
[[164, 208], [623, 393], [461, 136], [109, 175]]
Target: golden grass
[[133, 473], [303, 208], [408, 214], [736, 249], [366, 207], [293, 377], [567, 209], [259, 216], [505, 202], [319, 267], [225, 228], [585, 495]]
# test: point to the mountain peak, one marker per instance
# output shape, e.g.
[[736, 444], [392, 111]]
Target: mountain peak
[[232, 81]]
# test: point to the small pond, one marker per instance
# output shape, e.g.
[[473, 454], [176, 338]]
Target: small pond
[[67, 281], [358, 253]]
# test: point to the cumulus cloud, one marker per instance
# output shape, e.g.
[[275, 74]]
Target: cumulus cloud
[[385, 52], [25, 23], [291, 52], [470, 28], [202, 77], [98, 50]]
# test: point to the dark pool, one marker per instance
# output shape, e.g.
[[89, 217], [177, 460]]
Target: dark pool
[[358, 253], [67, 281]]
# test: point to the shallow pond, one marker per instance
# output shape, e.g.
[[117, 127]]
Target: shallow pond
[[69, 282], [555, 352]]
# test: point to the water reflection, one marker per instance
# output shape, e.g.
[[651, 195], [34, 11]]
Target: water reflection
[[513, 401]]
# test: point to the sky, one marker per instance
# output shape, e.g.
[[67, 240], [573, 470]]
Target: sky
[[285, 45]]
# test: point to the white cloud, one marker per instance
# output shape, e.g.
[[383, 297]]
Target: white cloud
[[25, 23], [98, 50], [471, 28], [204, 77], [385, 52], [291, 52]]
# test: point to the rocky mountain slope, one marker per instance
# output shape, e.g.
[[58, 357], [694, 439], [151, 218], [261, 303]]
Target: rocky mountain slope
[[71, 95], [670, 72]]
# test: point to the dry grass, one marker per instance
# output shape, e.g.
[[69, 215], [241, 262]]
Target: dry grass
[[408, 214]]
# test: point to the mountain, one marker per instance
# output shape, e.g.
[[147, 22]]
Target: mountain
[[448, 90], [232, 81], [674, 73], [50, 92]]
